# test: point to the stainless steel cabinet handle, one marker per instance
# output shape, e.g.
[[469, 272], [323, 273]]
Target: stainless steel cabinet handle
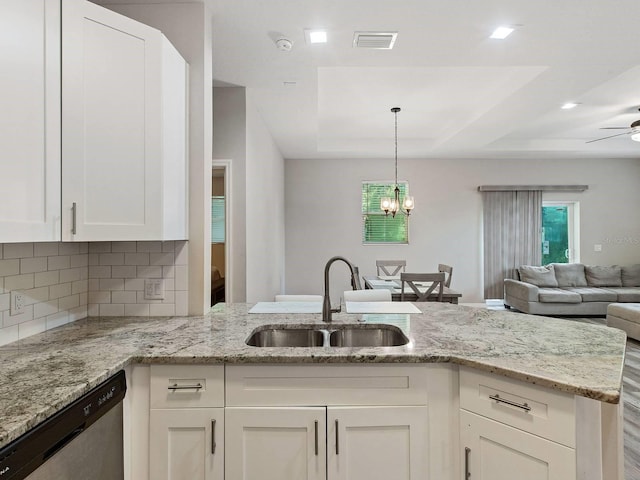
[[467, 473], [498, 399], [213, 437], [316, 427], [337, 438], [175, 387], [73, 218]]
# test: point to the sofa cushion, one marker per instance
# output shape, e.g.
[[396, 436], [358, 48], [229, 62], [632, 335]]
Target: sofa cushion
[[631, 276], [626, 294], [557, 295], [592, 294], [540, 276], [599, 276], [570, 274]]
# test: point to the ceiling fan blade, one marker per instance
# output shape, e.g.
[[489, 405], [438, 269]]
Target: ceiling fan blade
[[614, 128], [610, 136]]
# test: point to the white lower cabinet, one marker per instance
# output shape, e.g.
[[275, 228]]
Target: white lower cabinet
[[334, 443], [186, 444], [495, 451]]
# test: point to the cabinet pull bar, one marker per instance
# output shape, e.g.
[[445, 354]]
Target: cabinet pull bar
[[337, 438], [175, 387], [73, 218], [498, 399], [213, 437], [467, 473], [316, 434]]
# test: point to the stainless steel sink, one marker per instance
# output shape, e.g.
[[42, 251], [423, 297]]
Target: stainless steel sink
[[366, 336], [287, 337], [361, 335]]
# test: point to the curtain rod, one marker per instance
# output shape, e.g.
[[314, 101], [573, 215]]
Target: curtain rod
[[544, 188]]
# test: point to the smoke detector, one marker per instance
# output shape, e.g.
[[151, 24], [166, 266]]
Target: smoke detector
[[284, 44]]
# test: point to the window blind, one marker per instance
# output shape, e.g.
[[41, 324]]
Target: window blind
[[217, 219], [376, 226]]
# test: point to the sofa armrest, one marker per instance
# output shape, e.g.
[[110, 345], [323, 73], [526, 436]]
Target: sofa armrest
[[523, 291]]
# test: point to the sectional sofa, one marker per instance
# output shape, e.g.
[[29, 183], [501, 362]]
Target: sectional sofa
[[571, 288]]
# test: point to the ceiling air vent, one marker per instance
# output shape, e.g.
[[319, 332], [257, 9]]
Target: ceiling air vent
[[382, 40]]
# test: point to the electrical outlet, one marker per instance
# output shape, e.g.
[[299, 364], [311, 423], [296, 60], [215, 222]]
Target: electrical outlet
[[17, 303], [154, 289]]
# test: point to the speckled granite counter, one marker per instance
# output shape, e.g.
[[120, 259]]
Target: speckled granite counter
[[43, 373]]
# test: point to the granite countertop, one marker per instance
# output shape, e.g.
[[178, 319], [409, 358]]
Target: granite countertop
[[43, 373]]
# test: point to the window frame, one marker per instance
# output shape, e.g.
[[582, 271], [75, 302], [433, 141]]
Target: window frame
[[377, 212]]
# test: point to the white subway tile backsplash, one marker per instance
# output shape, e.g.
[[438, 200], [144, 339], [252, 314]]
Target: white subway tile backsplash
[[9, 267], [46, 278], [64, 282], [149, 247], [112, 259], [149, 272], [18, 250], [124, 247], [136, 259], [19, 282], [59, 262], [45, 249]]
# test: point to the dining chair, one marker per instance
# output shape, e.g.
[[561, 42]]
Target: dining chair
[[413, 279], [448, 271], [390, 267], [298, 298], [379, 295]]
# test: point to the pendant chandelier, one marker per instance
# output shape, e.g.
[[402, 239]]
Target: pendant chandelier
[[394, 205]]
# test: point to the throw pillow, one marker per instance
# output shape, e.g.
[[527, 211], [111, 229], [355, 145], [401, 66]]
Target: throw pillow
[[599, 276], [540, 276], [570, 274], [631, 276]]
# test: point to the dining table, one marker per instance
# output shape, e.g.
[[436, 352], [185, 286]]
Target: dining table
[[393, 283]]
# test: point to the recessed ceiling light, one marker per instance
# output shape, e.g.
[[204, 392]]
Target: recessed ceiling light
[[316, 35], [501, 33], [569, 106]]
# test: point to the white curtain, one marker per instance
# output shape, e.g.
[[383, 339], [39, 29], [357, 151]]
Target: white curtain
[[512, 223]]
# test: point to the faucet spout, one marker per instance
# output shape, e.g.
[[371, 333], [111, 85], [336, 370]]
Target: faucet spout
[[326, 302]]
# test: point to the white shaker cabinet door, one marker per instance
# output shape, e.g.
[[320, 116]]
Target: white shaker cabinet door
[[377, 443], [186, 444], [274, 443], [112, 128], [494, 451], [30, 121]]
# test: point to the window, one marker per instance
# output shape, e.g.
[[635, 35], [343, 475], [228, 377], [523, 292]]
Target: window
[[560, 229], [217, 219], [376, 227]]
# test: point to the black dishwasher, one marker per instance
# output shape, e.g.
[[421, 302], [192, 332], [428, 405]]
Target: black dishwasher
[[82, 441]]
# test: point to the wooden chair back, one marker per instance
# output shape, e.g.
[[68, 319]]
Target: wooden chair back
[[448, 270], [412, 279], [390, 267]]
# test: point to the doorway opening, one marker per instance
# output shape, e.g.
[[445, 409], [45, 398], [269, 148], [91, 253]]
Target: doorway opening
[[560, 232], [220, 232]]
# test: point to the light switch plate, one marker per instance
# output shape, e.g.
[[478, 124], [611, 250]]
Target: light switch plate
[[153, 289], [597, 248]]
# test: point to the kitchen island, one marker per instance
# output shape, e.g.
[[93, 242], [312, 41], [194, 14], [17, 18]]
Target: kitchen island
[[45, 372]]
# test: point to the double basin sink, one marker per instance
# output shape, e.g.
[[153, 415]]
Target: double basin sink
[[361, 335]]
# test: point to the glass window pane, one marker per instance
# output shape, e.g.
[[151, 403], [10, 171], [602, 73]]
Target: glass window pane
[[217, 219], [376, 226]]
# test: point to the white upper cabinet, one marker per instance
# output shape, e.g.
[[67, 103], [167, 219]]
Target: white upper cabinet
[[124, 137], [30, 120]]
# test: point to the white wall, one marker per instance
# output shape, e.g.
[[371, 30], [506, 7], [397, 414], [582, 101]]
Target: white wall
[[323, 216], [265, 211]]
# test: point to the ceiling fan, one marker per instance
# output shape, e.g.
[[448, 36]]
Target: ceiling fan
[[633, 130]]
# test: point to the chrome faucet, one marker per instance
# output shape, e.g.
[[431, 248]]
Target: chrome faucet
[[355, 283]]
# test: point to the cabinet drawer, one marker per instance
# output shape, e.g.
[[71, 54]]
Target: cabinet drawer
[[183, 386], [528, 407], [302, 385]]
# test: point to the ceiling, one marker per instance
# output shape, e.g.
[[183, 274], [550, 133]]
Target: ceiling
[[462, 94]]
